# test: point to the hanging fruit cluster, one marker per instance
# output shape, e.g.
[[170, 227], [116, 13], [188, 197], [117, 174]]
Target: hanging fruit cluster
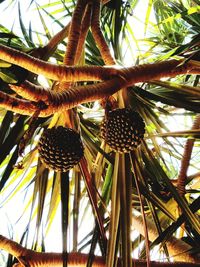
[[60, 148], [123, 129]]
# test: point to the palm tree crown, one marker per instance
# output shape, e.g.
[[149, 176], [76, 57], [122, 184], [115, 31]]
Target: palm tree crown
[[99, 134]]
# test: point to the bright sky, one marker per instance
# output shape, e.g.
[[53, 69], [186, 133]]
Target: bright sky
[[10, 16], [30, 16]]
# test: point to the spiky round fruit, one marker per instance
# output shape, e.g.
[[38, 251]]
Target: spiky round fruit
[[123, 129], [60, 148]]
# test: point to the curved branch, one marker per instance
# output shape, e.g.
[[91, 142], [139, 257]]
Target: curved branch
[[32, 258], [57, 101], [185, 161], [56, 72], [74, 38], [31, 91], [74, 32], [82, 94], [84, 30], [77, 95], [158, 70], [178, 249], [56, 39], [17, 105], [133, 74], [98, 35]]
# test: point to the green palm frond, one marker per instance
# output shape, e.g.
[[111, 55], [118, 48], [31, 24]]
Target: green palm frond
[[110, 204]]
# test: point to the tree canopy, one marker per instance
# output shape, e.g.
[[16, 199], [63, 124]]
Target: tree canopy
[[120, 81]]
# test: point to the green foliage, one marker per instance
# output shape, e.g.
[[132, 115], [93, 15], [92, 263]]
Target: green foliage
[[107, 187]]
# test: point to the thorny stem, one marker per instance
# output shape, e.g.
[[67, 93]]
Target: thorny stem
[[92, 196], [30, 258], [134, 163], [185, 161]]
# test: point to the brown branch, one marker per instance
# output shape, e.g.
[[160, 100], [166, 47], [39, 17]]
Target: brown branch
[[74, 32], [84, 30], [177, 248], [126, 77], [56, 39], [53, 71], [141, 73], [77, 95], [185, 161], [32, 258], [131, 75], [73, 39], [98, 35], [104, 2], [31, 91], [17, 105], [56, 101], [158, 70]]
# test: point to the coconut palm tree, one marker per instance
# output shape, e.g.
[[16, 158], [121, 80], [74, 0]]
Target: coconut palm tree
[[99, 134]]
